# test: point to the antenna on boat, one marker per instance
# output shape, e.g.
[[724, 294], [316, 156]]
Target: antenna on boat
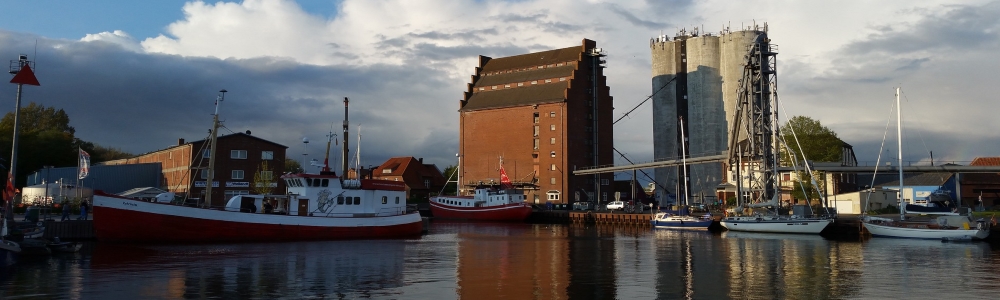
[[211, 158], [343, 162], [326, 159]]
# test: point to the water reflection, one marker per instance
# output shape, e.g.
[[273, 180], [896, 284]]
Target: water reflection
[[520, 261]]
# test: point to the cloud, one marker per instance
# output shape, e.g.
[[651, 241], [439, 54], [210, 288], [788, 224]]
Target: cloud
[[116, 37], [405, 64]]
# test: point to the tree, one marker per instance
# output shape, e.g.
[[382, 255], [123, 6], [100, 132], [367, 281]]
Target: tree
[[46, 139], [818, 142], [803, 189], [449, 174], [292, 166], [261, 183]]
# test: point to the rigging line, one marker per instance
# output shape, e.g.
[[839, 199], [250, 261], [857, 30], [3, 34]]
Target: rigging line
[[644, 101], [640, 170], [878, 160], [805, 162], [921, 125]]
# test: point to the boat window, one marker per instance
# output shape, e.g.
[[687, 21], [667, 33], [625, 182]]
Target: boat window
[[357, 200], [340, 200], [385, 199], [326, 182], [397, 200]]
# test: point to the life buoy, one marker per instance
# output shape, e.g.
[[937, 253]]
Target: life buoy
[[979, 225]]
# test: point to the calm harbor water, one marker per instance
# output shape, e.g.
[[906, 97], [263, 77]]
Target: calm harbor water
[[520, 261]]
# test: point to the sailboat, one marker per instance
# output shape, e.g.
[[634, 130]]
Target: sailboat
[[317, 207], [944, 227], [669, 220]]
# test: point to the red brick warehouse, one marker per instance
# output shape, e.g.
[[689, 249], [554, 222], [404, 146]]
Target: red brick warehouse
[[547, 114]]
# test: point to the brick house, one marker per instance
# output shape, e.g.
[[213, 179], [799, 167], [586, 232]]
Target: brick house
[[238, 158], [987, 185], [546, 114], [421, 180]]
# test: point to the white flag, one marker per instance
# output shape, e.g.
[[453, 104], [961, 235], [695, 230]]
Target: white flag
[[84, 164]]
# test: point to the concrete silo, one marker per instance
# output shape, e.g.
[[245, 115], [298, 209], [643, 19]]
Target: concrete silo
[[734, 47], [706, 128], [706, 71], [665, 141]]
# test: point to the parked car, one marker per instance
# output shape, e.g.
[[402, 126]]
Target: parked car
[[616, 205], [583, 206]]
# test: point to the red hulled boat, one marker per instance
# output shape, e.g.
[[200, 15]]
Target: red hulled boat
[[317, 207], [488, 204]]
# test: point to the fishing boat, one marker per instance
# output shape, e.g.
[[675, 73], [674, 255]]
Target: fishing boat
[[949, 227], [317, 207], [486, 204]]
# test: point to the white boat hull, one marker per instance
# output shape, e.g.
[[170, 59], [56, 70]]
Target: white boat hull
[[925, 233], [776, 225]]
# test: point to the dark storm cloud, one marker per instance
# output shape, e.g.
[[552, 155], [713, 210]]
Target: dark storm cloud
[[631, 18], [956, 28], [145, 102]]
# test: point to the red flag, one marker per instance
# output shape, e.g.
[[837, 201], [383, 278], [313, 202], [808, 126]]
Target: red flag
[[25, 76], [504, 180], [8, 193]]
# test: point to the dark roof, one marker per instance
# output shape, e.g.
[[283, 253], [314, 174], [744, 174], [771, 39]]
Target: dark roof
[[226, 136], [922, 179], [534, 59], [542, 93]]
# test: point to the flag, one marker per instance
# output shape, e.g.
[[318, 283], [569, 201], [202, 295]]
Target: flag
[[8, 193], [84, 164], [504, 180]]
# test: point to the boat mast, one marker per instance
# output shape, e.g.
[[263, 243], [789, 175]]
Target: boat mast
[[458, 180], [211, 150], [899, 159], [326, 159], [683, 162], [343, 161]]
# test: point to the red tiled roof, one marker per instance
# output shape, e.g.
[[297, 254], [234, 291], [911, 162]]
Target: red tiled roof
[[986, 161]]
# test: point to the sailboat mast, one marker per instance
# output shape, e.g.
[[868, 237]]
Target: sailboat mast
[[684, 160], [899, 159], [211, 150]]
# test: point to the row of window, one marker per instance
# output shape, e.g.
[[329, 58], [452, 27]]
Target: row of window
[[341, 200], [526, 69], [313, 182], [552, 127], [507, 86], [238, 174], [240, 154]]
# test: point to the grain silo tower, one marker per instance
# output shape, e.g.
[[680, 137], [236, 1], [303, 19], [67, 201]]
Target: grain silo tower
[[696, 78]]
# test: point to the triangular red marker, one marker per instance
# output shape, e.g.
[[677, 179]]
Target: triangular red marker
[[25, 76]]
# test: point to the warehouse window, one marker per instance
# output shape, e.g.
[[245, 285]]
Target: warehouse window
[[536, 130], [534, 82], [207, 153], [553, 154], [552, 180], [553, 167], [520, 84], [536, 144], [552, 114], [237, 174], [552, 127], [536, 117], [238, 154], [552, 141], [548, 80], [267, 155]]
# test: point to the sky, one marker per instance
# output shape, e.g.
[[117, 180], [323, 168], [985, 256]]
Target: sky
[[139, 75]]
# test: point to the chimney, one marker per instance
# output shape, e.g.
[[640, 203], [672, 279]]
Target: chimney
[[421, 160], [180, 142]]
